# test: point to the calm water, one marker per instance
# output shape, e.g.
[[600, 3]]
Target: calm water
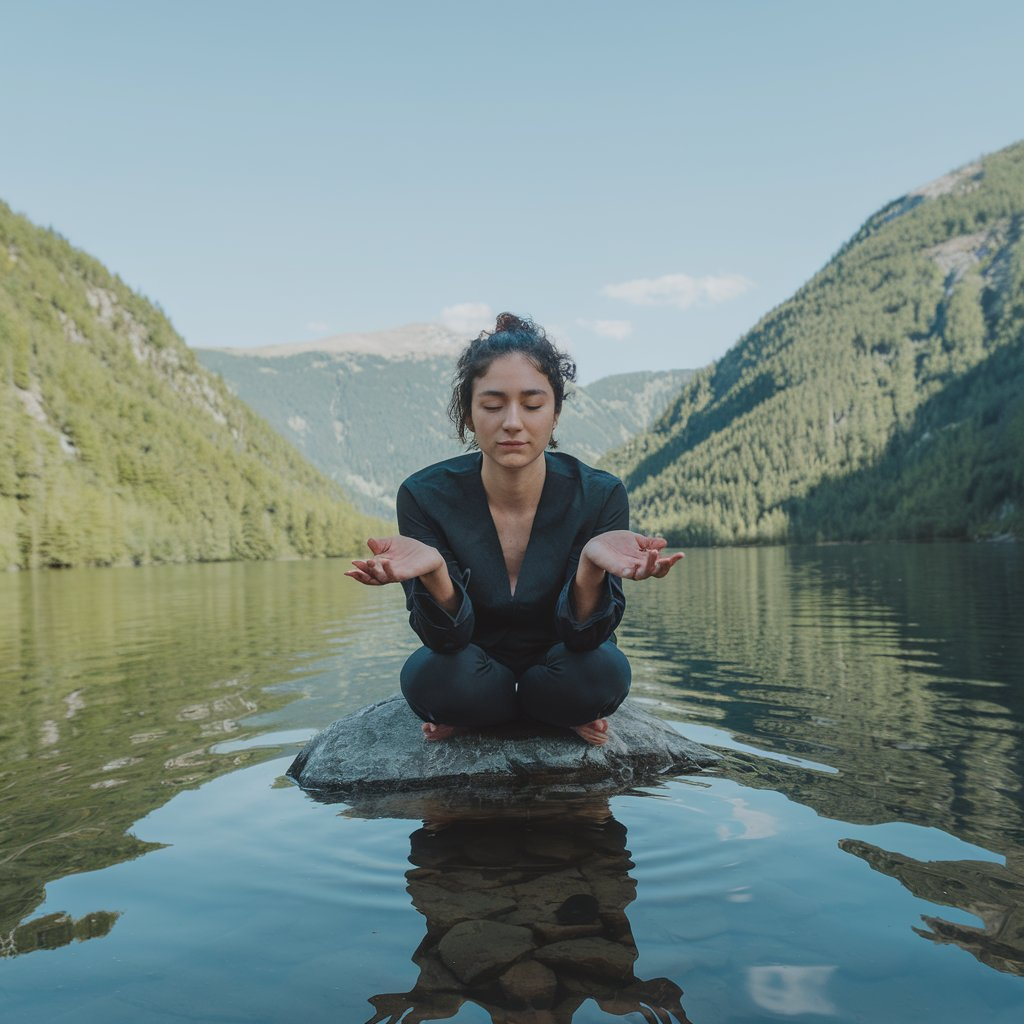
[[858, 857]]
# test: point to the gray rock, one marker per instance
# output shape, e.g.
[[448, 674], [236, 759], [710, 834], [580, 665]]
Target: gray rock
[[476, 951], [444, 908], [529, 984], [379, 752], [594, 957]]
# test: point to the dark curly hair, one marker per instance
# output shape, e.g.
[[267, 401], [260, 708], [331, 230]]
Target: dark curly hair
[[511, 335]]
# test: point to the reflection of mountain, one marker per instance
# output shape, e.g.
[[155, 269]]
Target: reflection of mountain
[[526, 913], [55, 930], [896, 666], [116, 688], [992, 892]]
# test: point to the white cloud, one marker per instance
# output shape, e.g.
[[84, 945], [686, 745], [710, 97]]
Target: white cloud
[[468, 318], [317, 327], [617, 329], [791, 990], [679, 290]]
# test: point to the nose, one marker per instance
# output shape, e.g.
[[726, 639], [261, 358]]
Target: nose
[[512, 420]]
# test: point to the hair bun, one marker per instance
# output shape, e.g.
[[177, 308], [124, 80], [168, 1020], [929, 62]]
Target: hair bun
[[509, 322]]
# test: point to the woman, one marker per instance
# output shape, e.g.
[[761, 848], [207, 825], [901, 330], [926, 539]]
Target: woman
[[512, 557]]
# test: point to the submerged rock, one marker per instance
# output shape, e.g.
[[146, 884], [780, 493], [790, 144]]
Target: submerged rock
[[379, 752]]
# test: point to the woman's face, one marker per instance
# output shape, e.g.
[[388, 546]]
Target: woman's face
[[512, 412]]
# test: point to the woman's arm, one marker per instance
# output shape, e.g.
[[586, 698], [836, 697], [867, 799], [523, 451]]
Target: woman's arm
[[440, 611], [398, 559], [592, 603]]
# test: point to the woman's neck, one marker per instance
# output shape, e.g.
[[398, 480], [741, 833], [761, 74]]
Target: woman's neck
[[517, 490]]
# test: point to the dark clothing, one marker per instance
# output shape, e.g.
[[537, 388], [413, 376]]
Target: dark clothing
[[500, 637], [445, 506], [471, 688]]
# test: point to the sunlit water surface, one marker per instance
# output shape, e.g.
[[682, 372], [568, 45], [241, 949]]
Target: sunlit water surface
[[857, 857]]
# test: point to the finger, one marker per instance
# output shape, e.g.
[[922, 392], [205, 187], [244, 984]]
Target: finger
[[379, 571], [377, 545], [664, 564], [362, 577], [646, 566], [654, 543]]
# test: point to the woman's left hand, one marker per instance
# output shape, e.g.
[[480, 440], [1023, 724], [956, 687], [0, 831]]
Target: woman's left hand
[[632, 556]]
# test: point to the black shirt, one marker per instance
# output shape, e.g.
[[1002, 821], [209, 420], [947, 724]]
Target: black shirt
[[445, 506]]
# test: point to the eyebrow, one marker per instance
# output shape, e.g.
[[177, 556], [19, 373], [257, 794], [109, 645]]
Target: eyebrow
[[502, 394]]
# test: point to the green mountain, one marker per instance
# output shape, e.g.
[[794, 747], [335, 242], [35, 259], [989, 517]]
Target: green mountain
[[118, 447], [885, 399], [369, 409]]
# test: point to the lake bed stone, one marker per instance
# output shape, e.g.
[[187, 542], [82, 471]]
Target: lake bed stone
[[476, 951], [379, 752], [593, 957], [529, 984]]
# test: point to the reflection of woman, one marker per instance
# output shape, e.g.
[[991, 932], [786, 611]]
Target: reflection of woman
[[526, 917], [511, 556]]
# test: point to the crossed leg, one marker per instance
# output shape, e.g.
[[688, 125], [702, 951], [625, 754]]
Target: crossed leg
[[470, 689]]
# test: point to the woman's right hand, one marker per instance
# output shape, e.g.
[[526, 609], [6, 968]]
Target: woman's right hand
[[396, 559]]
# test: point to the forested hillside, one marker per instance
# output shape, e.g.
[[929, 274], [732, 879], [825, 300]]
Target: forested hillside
[[370, 409], [118, 447], [885, 399]]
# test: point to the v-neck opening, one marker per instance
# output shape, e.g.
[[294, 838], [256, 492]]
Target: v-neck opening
[[497, 537]]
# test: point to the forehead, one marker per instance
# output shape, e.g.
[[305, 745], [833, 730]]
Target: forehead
[[512, 374]]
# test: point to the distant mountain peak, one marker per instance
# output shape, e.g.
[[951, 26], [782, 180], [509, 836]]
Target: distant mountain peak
[[408, 341], [963, 179]]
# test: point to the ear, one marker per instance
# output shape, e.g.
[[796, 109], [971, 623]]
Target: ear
[[468, 423]]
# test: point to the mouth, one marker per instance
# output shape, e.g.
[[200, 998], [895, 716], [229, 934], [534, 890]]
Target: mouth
[[511, 444]]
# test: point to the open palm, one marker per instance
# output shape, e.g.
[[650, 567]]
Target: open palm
[[630, 555], [395, 559]]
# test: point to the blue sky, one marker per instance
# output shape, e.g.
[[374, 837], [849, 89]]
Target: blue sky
[[646, 179]]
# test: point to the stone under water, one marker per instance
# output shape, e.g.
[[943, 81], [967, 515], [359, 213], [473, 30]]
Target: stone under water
[[378, 755]]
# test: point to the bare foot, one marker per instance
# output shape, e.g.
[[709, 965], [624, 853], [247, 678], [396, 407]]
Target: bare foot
[[432, 731], [595, 732]]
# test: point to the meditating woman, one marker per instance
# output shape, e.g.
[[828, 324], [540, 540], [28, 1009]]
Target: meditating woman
[[512, 556]]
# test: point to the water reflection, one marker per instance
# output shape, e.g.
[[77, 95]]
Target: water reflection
[[526, 913], [897, 666], [51, 931], [992, 892], [118, 687]]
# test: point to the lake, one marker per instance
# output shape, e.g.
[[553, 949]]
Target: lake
[[858, 855]]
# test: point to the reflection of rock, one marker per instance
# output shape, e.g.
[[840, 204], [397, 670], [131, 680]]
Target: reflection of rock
[[526, 913], [476, 951], [992, 892], [380, 749], [55, 930]]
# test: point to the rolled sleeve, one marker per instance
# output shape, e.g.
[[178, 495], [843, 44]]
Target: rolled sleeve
[[594, 631], [438, 629]]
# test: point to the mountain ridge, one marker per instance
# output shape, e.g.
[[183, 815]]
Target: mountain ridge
[[119, 447], [369, 420], [843, 381]]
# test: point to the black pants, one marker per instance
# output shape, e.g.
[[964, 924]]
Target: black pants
[[470, 688]]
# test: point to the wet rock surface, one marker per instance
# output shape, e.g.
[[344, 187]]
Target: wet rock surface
[[380, 751]]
